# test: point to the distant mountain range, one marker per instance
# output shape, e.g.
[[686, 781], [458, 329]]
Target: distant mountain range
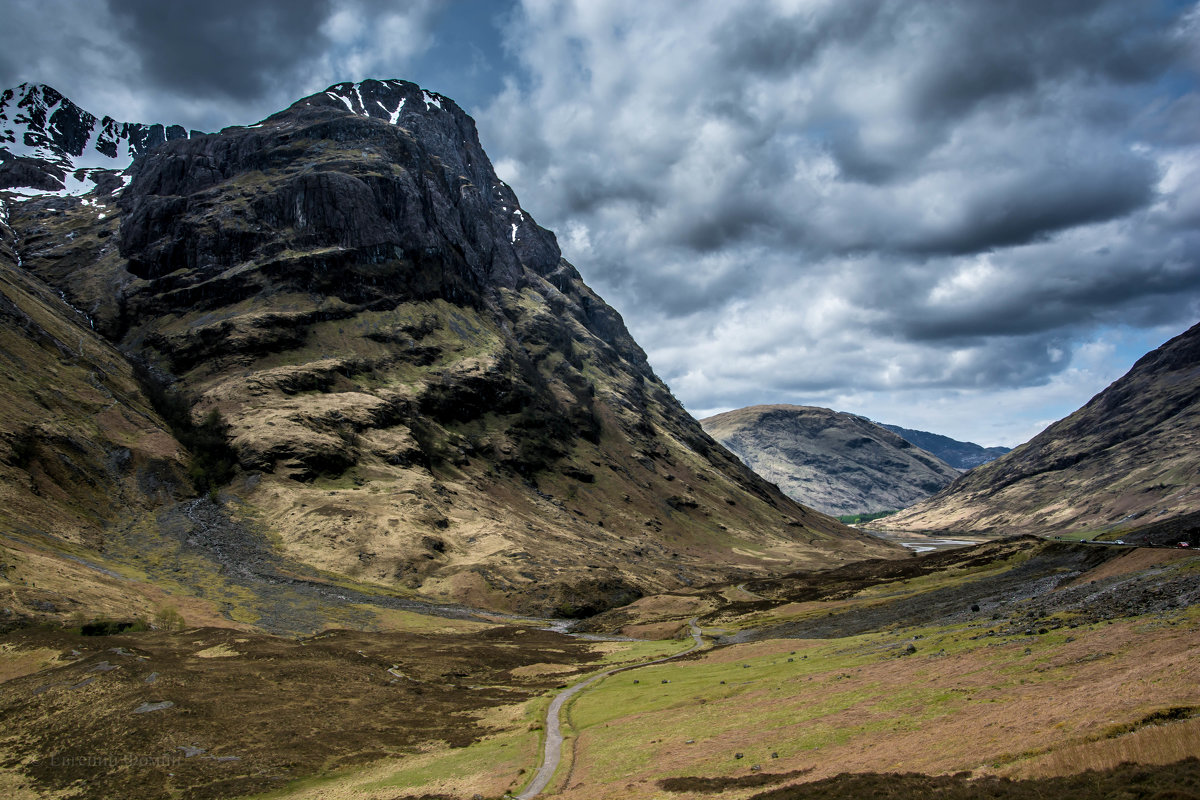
[[960, 455], [839, 463], [1128, 459]]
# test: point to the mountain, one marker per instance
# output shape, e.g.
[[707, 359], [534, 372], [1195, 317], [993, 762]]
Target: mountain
[[1129, 458], [50, 145], [383, 372], [960, 455], [835, 462]]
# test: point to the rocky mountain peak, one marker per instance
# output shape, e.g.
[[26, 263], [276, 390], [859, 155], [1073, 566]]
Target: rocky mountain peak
[[448, 134], [49, 145], [387, 99], [381, 187]]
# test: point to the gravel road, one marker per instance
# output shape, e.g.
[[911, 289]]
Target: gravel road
[[552, 752]]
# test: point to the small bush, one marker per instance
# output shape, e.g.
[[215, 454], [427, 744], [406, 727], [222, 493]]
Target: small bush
[[109, 627], [855, 519], [168, 619]]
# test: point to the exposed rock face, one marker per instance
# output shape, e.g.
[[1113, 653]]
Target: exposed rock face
[[1130, 457], [835, 462], [960, 455], [420, 391]]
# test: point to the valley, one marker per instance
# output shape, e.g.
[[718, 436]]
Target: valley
[[381, 360], [323, 474], [1018, 662], [1126, 460]]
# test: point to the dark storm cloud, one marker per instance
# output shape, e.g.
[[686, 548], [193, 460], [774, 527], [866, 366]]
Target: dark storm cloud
[[222, 48], [1105, 285], [995, 49], [208, 65], [975, 54], [227, 48], [792, 42], [1029, 205]]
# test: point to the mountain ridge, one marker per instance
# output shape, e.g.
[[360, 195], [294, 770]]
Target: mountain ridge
[[958, 454], [50, 145], [1126, 458]]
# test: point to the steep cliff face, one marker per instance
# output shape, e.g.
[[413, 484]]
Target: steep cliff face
[[1129, 458], [421, 393], [835, 462]]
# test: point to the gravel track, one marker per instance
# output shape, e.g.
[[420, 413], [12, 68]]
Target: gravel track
[[552, 751]]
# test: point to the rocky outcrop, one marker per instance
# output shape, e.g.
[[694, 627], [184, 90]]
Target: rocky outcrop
[[1128, 458], [835, 462]]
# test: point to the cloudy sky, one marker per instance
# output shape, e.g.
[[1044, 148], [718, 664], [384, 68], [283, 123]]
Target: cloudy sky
[[964, 217]]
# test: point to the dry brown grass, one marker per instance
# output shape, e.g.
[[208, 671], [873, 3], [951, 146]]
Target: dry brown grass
[[1134, 561], [542, 669], [279, 709], [35, 577], [660, 630], [1156, 744], [16, 661]]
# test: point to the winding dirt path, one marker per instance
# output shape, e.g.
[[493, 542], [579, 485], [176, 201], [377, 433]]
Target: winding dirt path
[[552, 752]]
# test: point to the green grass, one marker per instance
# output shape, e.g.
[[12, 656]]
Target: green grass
[[645, 651], [689, 681], [478, 757], [695, 704], [787, 704], [1074, 536], [855, 519]]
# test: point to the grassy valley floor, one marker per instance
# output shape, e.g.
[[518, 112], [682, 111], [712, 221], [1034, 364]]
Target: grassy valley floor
[[1005, 670]]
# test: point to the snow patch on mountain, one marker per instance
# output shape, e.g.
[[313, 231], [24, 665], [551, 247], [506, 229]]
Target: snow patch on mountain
[[385, 99], [51, 147]]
